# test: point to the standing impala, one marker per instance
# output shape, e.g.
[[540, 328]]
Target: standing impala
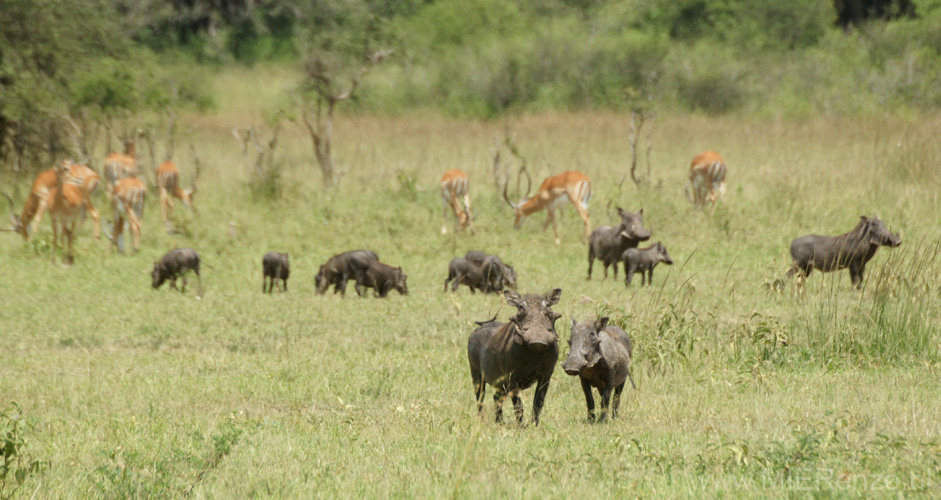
[[37, 203], [119, 166], [455, 186], [567, 186], [127, 200], [168, 181], [65, 208], [706, 179]]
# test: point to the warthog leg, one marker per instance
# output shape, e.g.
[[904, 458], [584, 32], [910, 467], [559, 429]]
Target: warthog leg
[[589, 399]]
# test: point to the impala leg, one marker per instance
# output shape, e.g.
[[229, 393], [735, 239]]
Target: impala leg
[[583, 213], [68, 234], [444, 214], [134, 224], [467, 210], [55, 232], [34, 224], [95, 217]]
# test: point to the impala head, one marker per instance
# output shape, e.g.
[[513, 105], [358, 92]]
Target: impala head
[[878, 233], [584, 346], [16, 225], [633, 225], [535, 320], [517, 208]]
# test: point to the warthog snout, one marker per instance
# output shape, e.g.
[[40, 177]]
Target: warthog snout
[[896, 240]]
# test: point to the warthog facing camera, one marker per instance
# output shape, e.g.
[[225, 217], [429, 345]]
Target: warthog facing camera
[[513, 356], [600, 354]]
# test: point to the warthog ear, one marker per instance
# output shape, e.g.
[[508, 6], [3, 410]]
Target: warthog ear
[[573, 323], [640, 212], [621, 211], [864, 218], [553, 297], [513, 298], [600, 323]]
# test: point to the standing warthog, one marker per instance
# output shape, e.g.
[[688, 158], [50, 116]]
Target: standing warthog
[[513, 356], [275, 266], [644, 260], [173, 265], [608, 243], [382, 278], [476, 257], [600, 354], [342, 268], [852, 250], [464, 272]]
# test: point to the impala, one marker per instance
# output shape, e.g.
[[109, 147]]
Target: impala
[[567, 186], [127, 200], [119, 166], [706, 179], [65, 207], [37, 203], [455, 186], [168, 181]]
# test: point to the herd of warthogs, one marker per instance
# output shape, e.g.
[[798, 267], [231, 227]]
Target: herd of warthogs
[[510, 356]]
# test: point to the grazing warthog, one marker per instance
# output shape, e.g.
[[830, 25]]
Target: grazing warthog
[[852, 250], [497, 275], [464, 272], [173, 265], [342, 268], [275, 266], [600, 354], [608, 243], [515, 355], [644, 260], [382, 278]]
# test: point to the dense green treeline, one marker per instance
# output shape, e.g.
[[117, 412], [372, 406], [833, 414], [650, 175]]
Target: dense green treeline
[[105, 62]]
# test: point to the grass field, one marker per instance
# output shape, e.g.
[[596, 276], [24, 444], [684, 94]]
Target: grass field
[[742, 391]]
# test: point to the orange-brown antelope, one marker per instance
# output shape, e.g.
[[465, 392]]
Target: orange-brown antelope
[[65, 208], [567, 186], [37, 203], [127, 200], [455, 186], [168, 181], [119, 166], [706, 179]]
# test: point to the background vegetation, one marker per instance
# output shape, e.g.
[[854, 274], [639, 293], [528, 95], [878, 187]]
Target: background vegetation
[[111, 390]]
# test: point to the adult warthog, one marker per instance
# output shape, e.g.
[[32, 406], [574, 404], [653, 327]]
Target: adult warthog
[[515, 355], [608, 243], [852, 250]]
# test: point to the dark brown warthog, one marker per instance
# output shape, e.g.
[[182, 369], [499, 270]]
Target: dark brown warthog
[[513, 356], [342, 268], [476, 257], [609, 243], [852, 250], [382, 278], [173, 265], [644, 260], [275, 266], [464, 272], [497, 275], [600, 354]]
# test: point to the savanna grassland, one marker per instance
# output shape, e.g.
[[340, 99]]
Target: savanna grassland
[[743, 391]]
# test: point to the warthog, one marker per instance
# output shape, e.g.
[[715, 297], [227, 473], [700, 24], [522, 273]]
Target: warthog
[[644, 260], [275, 266], [497, 275], [515, 355], [600, 354], [608, 243], [464, 272], [174, 264], [342, 268], [382, 278], [852, 250]]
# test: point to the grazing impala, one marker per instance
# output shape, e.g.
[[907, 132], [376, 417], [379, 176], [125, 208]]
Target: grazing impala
[[455, 186], [706, 179], [65, 208], [127, 200], [37, 203], [119, 166], [168, 181], [571, 186]]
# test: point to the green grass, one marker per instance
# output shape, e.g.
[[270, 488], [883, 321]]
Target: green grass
[[743, 391]]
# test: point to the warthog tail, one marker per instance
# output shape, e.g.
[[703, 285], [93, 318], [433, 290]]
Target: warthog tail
[[491, 320], [631, 378]]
